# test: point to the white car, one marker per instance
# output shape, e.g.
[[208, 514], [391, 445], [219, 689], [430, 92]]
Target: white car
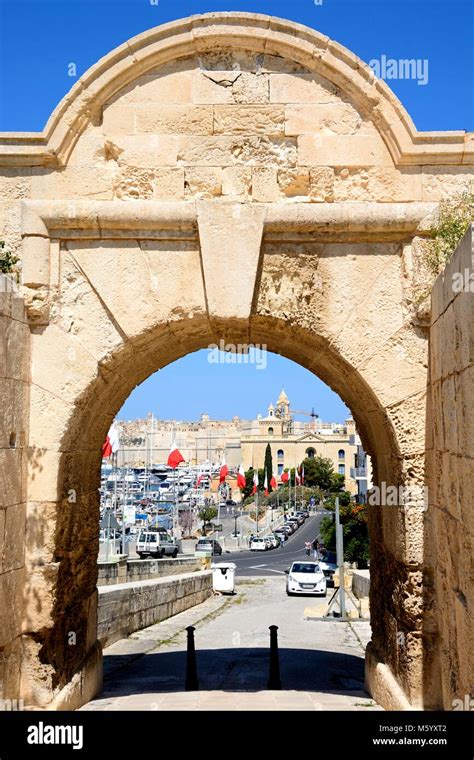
[[258, 545], [272, 542], [306, 578]]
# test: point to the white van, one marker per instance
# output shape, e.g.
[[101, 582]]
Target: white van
[[156, 544]]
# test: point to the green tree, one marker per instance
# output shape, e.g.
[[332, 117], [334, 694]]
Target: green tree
[[355, 532], [206, 515], [268, 466], [249, 474], [319, 471]]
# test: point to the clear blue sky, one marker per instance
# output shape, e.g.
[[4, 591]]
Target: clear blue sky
[[192, 385], [40, 38]]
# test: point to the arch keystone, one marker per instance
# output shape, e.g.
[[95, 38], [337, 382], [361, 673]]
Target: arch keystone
[[230, 236]]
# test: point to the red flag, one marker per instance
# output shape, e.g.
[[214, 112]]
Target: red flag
[[199, 479], [174, 457], [112, 443], [241, 482], [224, 471], [265, 485], [273, 483], [297, 477], [302, 474], [285, 476], [106, 448], [255, 483]]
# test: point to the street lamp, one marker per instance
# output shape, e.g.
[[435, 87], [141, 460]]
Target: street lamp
[[235, 526]]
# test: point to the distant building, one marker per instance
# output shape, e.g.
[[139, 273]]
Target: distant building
[[292, 441], [206, 441]]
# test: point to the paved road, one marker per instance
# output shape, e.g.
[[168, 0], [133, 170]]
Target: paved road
[[275, 561], [321, 662]]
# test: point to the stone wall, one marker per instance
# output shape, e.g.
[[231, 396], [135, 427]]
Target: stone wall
[[14, 393], [126, 571], [128, 607], [361, 583], [451, 471]]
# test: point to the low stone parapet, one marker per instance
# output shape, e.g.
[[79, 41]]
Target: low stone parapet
[[128, 607], [361, 583], [120, 570]]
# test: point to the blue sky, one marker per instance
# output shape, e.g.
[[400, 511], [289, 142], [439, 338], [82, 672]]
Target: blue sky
[[40, 38]]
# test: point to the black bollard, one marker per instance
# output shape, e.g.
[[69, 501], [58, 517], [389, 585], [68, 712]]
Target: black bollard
[[274, 674], [191, 669]]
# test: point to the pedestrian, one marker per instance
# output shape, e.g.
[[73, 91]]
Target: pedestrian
[[315, 548], [307, 547], [282, 538]]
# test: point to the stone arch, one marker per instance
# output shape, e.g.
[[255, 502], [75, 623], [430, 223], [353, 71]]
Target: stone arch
[[130, 260]]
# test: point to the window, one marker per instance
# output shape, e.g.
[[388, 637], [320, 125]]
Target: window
[[310, 453], [280, 468], [341, 454], [280, 454], [270, 431], [342, 469]]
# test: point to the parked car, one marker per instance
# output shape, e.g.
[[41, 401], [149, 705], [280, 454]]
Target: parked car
[[303, 515], [293, 522], [231, 503], [208, 545], [328, 565], [258, 545], [156, 544], [289, 527], [272, 542], [306, 578]]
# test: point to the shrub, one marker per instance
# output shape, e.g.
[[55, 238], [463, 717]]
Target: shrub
[[455, 215], [7, 260]]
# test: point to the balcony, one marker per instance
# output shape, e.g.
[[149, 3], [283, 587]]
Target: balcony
[[359, 473]]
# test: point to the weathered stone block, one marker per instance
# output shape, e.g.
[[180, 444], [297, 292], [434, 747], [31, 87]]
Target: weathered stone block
[[168, 184], [265, 187], [294, 182], [174, 119], [339, 118], [321, 184], [202, 182], [236, 181], [301, 88], [248, 120], [342, 150], [146, 151]]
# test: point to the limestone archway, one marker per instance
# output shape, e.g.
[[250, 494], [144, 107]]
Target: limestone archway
[[234, 176]]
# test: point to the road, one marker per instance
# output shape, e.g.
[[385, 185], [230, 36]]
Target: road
[[321, 662], [275, 561]]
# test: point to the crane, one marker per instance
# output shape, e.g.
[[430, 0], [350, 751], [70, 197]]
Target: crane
[[311, 414]]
